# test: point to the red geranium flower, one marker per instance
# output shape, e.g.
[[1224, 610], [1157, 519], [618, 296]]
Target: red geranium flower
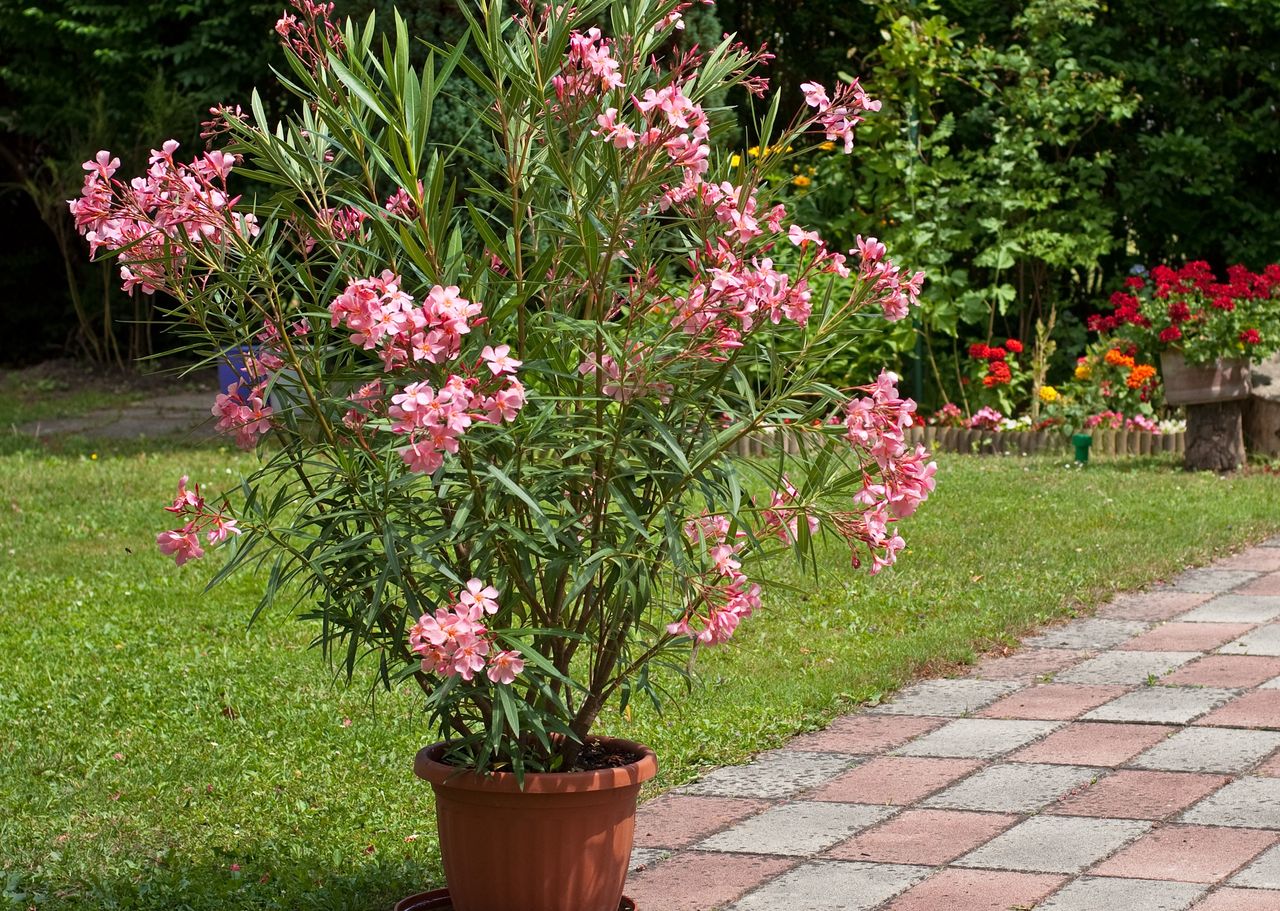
[[1179, 312], [996, 354], [1171, 334], [1251, 336], [978, 351], [1014, 345]]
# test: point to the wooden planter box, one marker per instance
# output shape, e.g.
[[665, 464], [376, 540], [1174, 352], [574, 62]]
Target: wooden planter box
[[1106, 443]]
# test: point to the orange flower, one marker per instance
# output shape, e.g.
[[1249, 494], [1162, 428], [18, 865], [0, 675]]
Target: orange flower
[[1139, 375], [1116, 359]]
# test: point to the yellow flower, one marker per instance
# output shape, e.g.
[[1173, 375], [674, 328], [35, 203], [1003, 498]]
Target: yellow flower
[[827, 146], [735, 160], [1048, 395], [754, 152], [801, 181], [1083, 371]]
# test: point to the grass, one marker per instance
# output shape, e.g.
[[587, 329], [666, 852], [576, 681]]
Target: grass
[[154, 754]]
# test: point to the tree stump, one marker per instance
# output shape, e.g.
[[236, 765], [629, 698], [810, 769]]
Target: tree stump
[[1215, 436]]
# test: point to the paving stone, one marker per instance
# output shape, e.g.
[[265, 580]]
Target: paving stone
[[1235, 609], [1051, 702], [1257, 709], [1028, 664], [1240, 900], [1225, 671], [1055, 844], [1271, 542], [644, 858], [1162, 704], [1088, 633], [1212, 580], [1263, 873], [1255, 559], [952, 698], [677, 820], [1125, 667], [778, 774], [1265, 640], [1139, 795], [865, 734], [928, 837], [830, 885], [1252, 803], [1014, 787], [1103, 893], [1193, 854], [1186, 637], [978, 738], [693, 881], [1263, 585], [1270, 768], [799, 828], [1272, 684], [893, 780], [977, 890], [1152, 605], [1094, 743], [1209, 750]]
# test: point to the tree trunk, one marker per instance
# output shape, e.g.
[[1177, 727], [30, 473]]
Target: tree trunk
[[1215, 437]]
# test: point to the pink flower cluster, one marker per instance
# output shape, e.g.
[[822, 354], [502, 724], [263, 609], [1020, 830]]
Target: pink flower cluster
[[310, 34], [839, 116], [783, 514], [624, 382], [384, 318], [1115, 420], [455, 642], [183, 543], [150, 219], [245, 414], [875, 426], [724, 595], [986, 418], [590, 69], [897, 294]]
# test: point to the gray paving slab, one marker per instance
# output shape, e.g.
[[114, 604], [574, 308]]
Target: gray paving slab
[[1209, 750], [1235, 609], [1263, 873], [1251, 803], [1089, 633], [645, 857], [832, 885], [777, 774], [1055, 844], [1162, 704], [1265, 640], [1212, 580], [1126, 667], [947, 698], [1272, 684], [1106, 893], [796, 829], [980, 738], [1021, 787]]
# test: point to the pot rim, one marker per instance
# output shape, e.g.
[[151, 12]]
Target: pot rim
[[427, 765]]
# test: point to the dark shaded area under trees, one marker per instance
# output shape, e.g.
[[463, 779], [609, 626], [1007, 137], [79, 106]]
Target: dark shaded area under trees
[[1027, 155]]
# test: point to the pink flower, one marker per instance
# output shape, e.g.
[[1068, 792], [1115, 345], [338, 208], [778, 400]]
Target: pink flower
[[182, 544], [479, 598], [504, 666], [498, 359], [422, 457], [800, 237], [815, 95]]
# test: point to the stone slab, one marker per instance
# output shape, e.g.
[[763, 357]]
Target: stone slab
[[1256, 709], [1212, 580], [1265, 640], [1252, 803], [1027, 665], [1131, 794], [1151, 605], [1014, 787], [865, 734], [1191, 854], [1089, 633], [831, 885], [1235, 609], [1209, 750], [1225, 671], [895, 780], [1051, 702], [1094, 743], [977, 738], [929, 837], [1126, 667], [948, 698], [795, 829], [977, 890], [693, 881], [1262, 873], [1055, 844], [778, 774], [1162, 705], [1229, 899], [1186, 637], [678, 820], [1103, 893]]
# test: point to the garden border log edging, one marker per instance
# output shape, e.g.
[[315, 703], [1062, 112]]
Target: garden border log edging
[[1106, 443]]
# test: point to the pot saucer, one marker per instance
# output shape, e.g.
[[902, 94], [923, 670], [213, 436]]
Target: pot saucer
[[438, 900]]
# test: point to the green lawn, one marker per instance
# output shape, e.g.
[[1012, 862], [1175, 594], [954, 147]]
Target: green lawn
[[155, 754]]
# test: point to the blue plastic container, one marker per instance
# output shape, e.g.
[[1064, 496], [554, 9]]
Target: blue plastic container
[[231, 369]]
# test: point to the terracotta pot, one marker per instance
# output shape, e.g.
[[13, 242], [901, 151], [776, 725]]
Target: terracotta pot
[[562, 843], [1225, 380], [438, 900]]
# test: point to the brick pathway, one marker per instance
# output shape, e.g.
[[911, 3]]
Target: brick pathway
[[1127, 762]]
